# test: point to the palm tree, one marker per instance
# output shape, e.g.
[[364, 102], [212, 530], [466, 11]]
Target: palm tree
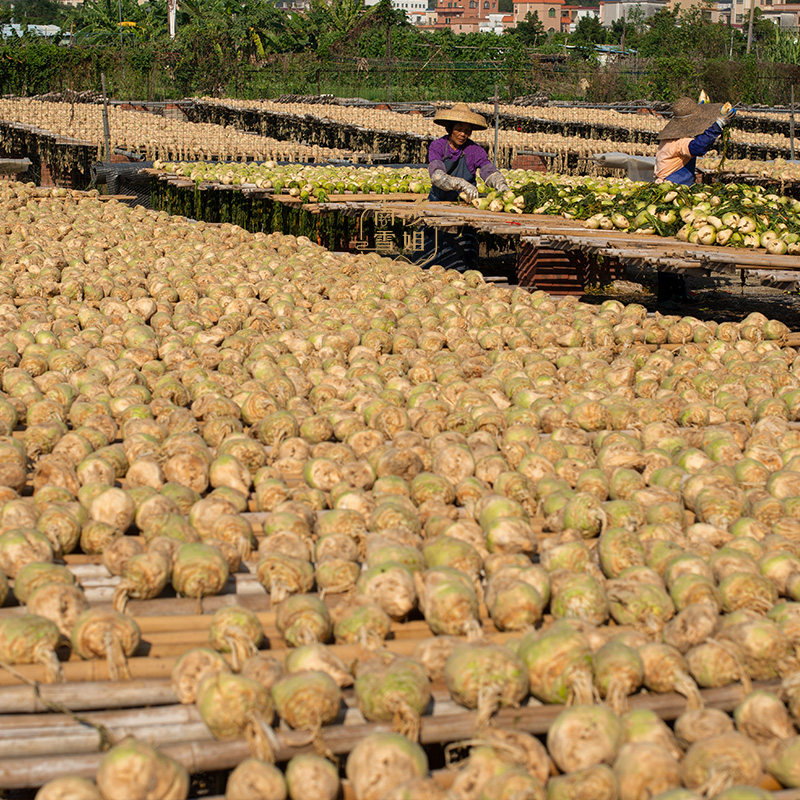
[[104, 21]]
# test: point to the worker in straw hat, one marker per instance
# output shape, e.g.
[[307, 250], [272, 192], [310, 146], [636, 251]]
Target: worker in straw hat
[[453, 162], [692, 132]]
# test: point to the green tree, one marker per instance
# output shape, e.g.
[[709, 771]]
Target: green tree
[[98, 21], [629, 28], [784, 47], [763, 28], [555, 43], [687, 33], [220, 42], [336, 20], [329, 26], [662, 36], [236, 29], [38, 12], [407, 41], [588, 33], [530, 31], [293, 33]]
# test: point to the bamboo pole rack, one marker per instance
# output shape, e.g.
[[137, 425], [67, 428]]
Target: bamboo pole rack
[[158, 661], [561, 234], [207, 754], [664, 253]]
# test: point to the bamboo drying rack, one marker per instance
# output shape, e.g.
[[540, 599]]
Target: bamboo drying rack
[[636, 250], [46, 746], [665, 253]]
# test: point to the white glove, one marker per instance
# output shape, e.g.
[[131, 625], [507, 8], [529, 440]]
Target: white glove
[[441, 180], [725, 117], [469, 189], [450, 183], [497, 181]]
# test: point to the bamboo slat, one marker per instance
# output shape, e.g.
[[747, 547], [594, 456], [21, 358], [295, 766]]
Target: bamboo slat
[[355, 198], [153, 666], [86, 696], [22, 703], [174, 643], [161, 644], [87, 740], [54, 723], [199, 756], [58, 734]]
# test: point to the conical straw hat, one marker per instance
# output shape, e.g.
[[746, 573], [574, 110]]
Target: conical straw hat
[[460, 112], [689, 119]]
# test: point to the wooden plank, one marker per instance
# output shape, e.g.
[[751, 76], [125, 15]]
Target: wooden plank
[[544, 226], [740, 259], [774, 275], [153, 666], [666, 252]]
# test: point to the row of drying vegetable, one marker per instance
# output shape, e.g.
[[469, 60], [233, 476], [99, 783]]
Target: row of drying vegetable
[[779, 170], [735, 215], [402, 429]]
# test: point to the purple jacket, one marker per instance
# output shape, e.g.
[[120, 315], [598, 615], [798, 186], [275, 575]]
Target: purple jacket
[[477, 158]]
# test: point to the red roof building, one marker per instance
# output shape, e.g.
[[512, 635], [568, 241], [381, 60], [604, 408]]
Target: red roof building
[[463, 16]]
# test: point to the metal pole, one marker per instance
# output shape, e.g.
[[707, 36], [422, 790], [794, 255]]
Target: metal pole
[[791, 127], [121, 43], [389, 61], [106, 132], [172, 14], [496, 121], [750, 25]]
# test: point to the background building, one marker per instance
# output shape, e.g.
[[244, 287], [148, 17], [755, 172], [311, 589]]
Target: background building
[[464, 16], [613, 10], [550, 13], [577, 13]]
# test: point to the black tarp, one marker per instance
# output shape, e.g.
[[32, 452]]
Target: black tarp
[[124, 179]]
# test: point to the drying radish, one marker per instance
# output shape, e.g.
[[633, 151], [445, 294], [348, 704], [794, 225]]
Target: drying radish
[[583, 736]]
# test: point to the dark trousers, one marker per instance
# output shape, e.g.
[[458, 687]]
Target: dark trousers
[[457, 251]]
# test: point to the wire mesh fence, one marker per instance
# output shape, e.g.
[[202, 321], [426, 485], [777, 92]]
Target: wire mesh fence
[[157, 74]]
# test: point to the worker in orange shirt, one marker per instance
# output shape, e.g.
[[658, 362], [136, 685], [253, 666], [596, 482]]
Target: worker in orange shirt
[[692, 132]]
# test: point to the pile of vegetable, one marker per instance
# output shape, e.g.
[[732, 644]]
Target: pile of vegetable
[[732, 215], [735, 215], [309, 183], [510, 472], [155, 136], [778, 170], [570, 135]]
